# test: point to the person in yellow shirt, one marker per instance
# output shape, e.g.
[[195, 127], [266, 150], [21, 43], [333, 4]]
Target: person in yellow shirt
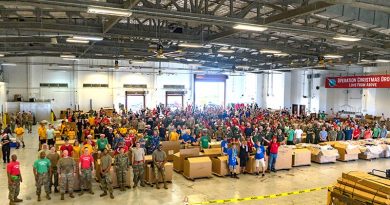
[[76, 150], [42, 134], [89, 146], [173, 136], [63, 129], [91, 120], [19, 131], [71, 134]]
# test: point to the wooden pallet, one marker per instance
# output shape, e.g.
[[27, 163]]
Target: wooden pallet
[[193, 179]]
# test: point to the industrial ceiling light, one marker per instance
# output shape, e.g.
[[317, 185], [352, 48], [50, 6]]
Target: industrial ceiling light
[[2, 55], [331, 56], [70, 59], [72, 40], [191, 45], [8, 64], [382, 61], [225, 50], [67, 56], [88, 38], [281, 54], [65, 66], [109, 11], [137, 62], [267, 51], [249, 27], [347, 38]]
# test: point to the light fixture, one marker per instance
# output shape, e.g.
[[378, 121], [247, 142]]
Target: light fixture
[[67, 56], [2, 55], [281, 54], [137, 61], [332, 56], [191, 45], [225, 50], [383, 61], [249, 27], [72, 40], [109, 11], [267, 51], [347, 38], [88, 38], [65, 66], [70, 59], [8, 64]]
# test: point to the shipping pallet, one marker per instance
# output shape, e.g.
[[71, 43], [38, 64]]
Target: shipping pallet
[[369, 159], [303, 165], [219, 175], [324, 162], [193, 179], [152, 183], [177, 171], [351, 160]]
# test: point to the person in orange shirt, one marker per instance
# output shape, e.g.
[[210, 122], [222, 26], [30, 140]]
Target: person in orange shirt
[[71, 134], [42, 134]]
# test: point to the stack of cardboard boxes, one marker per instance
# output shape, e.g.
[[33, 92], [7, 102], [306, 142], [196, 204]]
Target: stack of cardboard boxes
[[197, 167], [323, 154], [301, 157], [347, 151]]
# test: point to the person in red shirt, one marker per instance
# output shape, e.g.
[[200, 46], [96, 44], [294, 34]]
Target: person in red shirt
[[356, 133], [67, 146], [367, 133], [86, 167], [273, 148], [129, 140], [14, 180]]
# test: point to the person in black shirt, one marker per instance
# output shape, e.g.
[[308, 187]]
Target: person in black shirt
[[244, 156], [5, 148], [162, 132]]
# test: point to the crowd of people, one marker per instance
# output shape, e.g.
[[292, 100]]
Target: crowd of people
[[129, 136]]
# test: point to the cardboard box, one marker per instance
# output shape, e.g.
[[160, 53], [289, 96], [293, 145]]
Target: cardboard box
[[215, 145], [251, 165], [197, 167], [368, 180], [219, 165], [149, 173], [284, 160], [213, 152], [301, 157], [178, 158], [324, 156], [346, 153], [368, 156], [170, 148]]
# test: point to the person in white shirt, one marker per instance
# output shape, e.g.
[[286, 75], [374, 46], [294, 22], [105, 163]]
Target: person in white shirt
[[298, 135]]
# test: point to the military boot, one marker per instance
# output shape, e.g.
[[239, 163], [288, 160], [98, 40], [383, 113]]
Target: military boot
[[165, 185], [111, 195], [16, 200], [71, 195], [39, 197], [48, 196], [103, 194], [62, 196]]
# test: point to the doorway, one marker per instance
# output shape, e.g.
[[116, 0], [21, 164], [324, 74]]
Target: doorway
[[135, 101], [210, 90], [174, 100]]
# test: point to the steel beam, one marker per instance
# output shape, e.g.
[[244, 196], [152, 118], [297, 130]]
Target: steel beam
[[112, 21]]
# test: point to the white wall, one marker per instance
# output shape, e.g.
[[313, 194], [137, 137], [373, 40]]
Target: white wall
[[3, 96]]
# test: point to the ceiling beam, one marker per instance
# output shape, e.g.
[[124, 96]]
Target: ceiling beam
[[112, 21], [277, 18]]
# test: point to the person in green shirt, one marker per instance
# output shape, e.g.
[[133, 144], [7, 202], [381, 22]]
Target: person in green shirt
[[376, 131], [290, 136], [42, 171], [102, 142], [204, 140]]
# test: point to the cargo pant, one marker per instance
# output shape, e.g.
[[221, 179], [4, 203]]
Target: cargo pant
[[29, 126], [158, 170], [86, 179], [14, 189], [43, 180], [138, 171], [106, 182], [54, 178], [67, 180], [121, 174]]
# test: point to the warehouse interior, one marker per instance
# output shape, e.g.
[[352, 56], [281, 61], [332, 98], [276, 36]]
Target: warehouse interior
[[277, 64]]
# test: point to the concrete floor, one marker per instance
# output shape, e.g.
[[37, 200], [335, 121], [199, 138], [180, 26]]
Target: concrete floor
[[202, 189]]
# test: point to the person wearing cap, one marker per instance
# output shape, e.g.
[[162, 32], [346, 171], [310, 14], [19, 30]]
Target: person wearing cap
[[67, 147], [122, 164], [106, 182], [42, 133], [159, 158], [102, 142]]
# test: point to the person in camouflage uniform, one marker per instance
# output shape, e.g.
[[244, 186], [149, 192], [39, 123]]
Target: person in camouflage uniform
[[42, 171], [14, 180], [86, 169], [66, 169], [121, 163], [138, 160], [159, 158], [30, 121], [106, 182]]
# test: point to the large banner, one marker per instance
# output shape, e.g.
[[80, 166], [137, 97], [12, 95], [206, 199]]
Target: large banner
[[367, 81]]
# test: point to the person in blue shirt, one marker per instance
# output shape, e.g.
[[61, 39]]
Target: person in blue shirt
[[186, 138], [323, 135], [259, 157], [383, 132], [232, 161], [348, 133], [224, 145]]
